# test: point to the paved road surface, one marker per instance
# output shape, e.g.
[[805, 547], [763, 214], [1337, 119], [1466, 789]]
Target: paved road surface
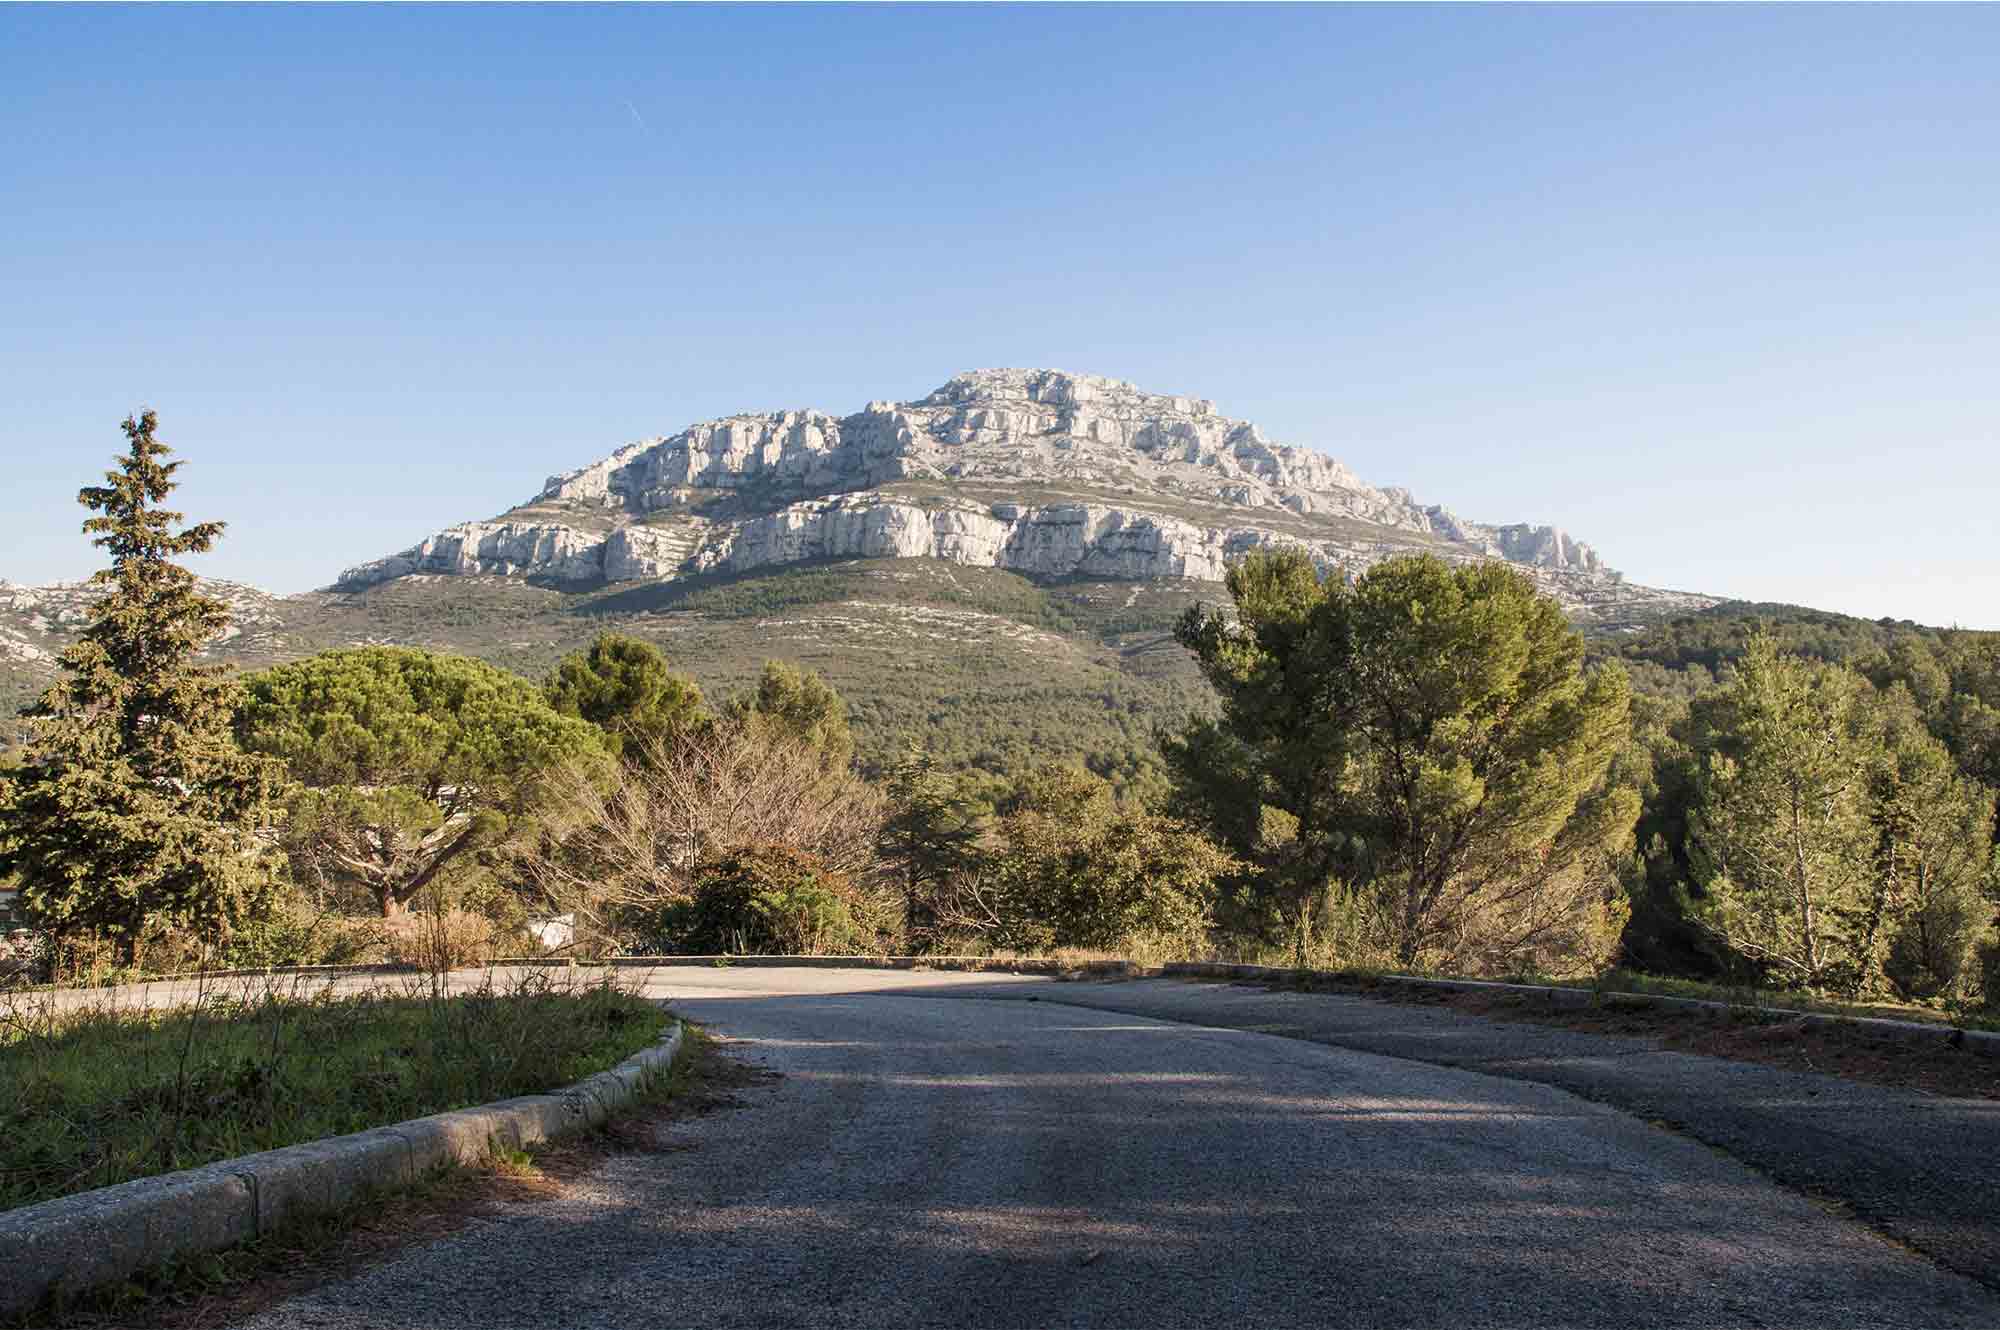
[[941, 1152], [1921, 1168]]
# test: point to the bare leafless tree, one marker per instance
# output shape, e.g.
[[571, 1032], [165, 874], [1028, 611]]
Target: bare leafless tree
[[605, 849]]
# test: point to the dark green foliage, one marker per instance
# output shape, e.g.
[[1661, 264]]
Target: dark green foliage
[[1924, 741], [1952, 674], [1934, 859], [1431, 751], [406, 762], [1074, 870], [761, 900], [794, 703], [1779, 834], [624, 687], [929, 840], [1661, 764], [1814, 833], [1954, 680], [1714, 638], [134, 809]]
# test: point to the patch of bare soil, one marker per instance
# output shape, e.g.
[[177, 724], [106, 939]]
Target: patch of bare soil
[[229, 1287]]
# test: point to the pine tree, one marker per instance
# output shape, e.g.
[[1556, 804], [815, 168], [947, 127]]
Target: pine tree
[[930, 837], [624, 687], [134, 810], [1424, 742], [1933, 860], [406, 763], [1781, 836], [796, 703]]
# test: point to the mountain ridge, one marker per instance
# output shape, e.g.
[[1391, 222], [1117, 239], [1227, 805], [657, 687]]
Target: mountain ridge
[[1041, 472], [993, 570]]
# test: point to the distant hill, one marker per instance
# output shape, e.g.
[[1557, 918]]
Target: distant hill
[[993, 669], [1689, 652]]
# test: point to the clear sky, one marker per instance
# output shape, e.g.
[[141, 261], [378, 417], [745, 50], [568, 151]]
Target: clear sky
[[1717, 289]]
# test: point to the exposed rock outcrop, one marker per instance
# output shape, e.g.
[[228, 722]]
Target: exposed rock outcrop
[[1111, 482]]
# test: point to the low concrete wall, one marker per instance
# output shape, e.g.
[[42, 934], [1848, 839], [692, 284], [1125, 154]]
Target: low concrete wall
[[1985, 1043], [78, 1242], [967, 963]]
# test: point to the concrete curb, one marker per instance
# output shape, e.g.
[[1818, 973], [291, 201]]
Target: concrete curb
[[966, 963], [282, 971], [75, 1243], [1984, 1043], [252, 972]]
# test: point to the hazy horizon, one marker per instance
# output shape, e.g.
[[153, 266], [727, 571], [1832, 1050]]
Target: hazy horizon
[[1710, 289]]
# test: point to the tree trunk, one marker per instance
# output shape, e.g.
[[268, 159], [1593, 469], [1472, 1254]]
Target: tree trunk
[[1807, 922]]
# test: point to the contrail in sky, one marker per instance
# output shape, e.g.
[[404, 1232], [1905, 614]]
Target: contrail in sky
[[635, 114]]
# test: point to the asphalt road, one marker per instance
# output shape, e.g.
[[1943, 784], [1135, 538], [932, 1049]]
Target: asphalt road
[[941, 1151], [1922, 1169]]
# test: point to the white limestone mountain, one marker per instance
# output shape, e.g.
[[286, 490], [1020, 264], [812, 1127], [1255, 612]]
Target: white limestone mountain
[[1038, 472]]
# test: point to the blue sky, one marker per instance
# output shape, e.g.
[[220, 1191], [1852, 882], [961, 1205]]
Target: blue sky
[[1717, 289]]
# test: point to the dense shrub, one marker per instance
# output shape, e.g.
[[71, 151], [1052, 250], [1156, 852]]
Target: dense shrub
[[293, 933], [1075, 870], [767, 900]]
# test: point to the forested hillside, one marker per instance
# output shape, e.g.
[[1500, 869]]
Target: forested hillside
[[993, 671], [996, 671], [1687, 653], [1921, 727]]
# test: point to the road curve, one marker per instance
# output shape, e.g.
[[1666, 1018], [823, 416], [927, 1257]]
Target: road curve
[[994, 1163]]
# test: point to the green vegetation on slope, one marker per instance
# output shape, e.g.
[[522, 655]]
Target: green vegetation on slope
[[1687, 654], [991, 670]]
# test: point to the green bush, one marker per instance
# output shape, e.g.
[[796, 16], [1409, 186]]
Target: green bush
[[765, 900], [1077, 871], [294, 933]]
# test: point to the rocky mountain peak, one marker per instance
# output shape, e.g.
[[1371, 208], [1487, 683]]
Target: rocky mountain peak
[[1041, 471]]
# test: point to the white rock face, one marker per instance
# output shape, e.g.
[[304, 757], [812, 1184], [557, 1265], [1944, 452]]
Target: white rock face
[[1149, 470], [37, 622], [1002, 425], [504, 548]]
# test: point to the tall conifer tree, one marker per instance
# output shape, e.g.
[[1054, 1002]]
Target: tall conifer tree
[[134, 809], [1780, 833], [1423, 747], [930, 836]]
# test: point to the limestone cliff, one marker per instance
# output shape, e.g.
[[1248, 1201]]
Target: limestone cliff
[[1035, 471]]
